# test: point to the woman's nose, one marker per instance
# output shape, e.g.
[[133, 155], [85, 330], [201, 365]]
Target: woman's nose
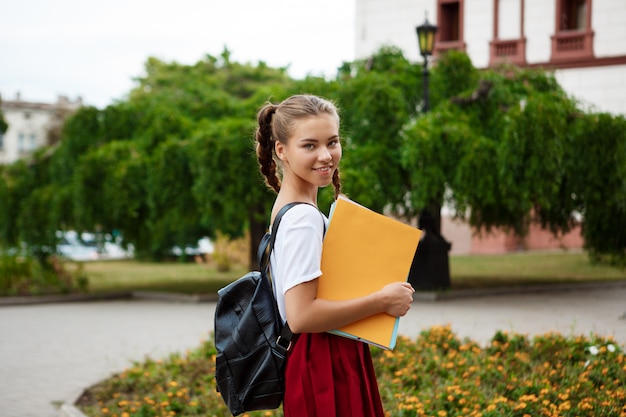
[[325, 154]]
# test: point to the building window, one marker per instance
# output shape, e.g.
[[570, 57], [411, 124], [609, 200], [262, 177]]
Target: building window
[[574, 15], [509, 42], [1, 141], [450, 23], [33, 142], [573, 37], [20, 142]]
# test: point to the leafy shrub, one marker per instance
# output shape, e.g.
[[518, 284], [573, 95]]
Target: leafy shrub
[[229, 251], [435, 375], [25, 275]]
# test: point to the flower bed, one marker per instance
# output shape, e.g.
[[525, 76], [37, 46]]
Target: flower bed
[[435, 375]]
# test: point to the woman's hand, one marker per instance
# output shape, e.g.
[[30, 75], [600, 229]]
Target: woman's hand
[[397, 298]]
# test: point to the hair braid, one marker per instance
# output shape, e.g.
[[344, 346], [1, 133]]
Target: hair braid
[[265, 147], [337, 183]]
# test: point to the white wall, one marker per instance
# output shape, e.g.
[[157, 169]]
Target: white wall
[[539, 21], [35, 126], [609, 24], [478, 30], [509, 22], [601, 89], [391, 22]]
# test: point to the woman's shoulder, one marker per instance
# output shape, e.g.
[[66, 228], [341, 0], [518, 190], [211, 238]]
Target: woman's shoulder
[[301, 214]]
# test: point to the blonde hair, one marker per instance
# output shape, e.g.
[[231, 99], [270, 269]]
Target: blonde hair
[[276, 123]]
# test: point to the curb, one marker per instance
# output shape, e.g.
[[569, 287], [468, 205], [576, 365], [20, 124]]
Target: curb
[[68, 410], [528, 289], [133, 295], [431, 296]]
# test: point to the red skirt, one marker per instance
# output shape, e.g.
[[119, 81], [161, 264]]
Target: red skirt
[[330, 376]]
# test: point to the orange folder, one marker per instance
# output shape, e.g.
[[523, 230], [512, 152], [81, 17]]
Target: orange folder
[[363, 251]]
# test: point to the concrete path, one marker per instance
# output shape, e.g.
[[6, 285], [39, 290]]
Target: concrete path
[[49, 353]]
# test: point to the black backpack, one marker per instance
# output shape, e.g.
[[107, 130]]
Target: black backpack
[[250, 339]]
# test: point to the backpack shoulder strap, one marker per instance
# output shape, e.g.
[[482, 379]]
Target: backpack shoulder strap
[[267, 242], [283, 342]]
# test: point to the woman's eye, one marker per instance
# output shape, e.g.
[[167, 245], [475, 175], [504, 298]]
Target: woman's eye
[[309, 146]]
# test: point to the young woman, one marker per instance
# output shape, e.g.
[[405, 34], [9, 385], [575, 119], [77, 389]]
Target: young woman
[[298, 148]]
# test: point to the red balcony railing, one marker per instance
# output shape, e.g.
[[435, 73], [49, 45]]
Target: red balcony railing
[[569, 45], [512, 50]]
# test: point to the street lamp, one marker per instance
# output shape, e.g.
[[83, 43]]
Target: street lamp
[[426, 39], [430, 268]]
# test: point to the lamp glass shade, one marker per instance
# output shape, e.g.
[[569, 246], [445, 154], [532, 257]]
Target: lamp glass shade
[[426, 38]]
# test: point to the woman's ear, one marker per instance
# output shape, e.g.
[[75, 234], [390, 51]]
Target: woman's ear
[[279, 148]]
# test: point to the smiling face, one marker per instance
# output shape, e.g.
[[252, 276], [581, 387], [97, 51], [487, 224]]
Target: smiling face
[[312, 152]]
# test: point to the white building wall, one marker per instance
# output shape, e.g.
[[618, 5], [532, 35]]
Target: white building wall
[[478, 30], [509, 22], [393, 22], [599, 89], [539, 21], [29, 125], [27, 131], [608, 19]]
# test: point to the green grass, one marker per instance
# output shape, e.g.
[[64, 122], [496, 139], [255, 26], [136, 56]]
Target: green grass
[[528, 268], [478, 271], [130, 275]]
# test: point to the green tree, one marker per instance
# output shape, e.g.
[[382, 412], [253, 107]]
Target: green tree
[[598, 157], [3, 124], [109, 192], [147, 154], [173, 213], [510, 148], [228, 186], [378, 96]]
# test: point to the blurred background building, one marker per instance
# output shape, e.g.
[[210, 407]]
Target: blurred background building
[[583, 41], [32, 125]]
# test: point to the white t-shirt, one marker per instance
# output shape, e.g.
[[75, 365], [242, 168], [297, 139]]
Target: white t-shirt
[[297, 250]]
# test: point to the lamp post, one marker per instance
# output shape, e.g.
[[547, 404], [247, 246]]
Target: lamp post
[[430, 269], [426, 39]]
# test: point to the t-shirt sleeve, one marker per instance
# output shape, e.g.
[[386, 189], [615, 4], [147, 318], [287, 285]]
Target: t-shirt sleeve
[[297, 252], [298, 247]]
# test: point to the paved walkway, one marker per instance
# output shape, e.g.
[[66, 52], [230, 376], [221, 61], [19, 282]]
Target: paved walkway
[[50, 352]]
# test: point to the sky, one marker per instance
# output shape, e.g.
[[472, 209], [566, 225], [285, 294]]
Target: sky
[[94, 49]]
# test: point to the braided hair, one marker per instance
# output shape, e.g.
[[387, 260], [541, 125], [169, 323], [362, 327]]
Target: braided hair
[[275, 122]]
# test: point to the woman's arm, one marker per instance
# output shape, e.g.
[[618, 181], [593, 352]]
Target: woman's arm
[[308, 314]]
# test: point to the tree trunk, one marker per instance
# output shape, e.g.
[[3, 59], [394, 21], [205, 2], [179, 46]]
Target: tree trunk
[[258, 226]]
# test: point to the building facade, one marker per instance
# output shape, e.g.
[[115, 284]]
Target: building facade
[[582, 41], [32, 125]]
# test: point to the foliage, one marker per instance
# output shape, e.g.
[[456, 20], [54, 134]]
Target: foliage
[[3, 124], [599, 156], [174, 162], [490, 149], [514, 375], [24, 275], [173, 215], [378, 97], [507, 147], [435, 375], [131, 167]]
